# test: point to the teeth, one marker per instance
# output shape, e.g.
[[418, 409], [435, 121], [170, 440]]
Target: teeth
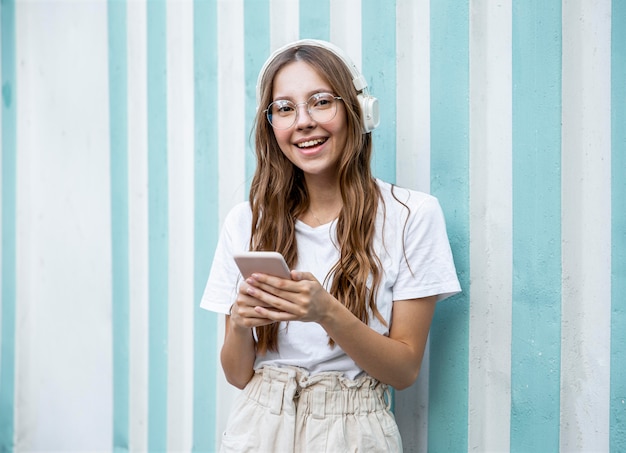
[[311, 143]]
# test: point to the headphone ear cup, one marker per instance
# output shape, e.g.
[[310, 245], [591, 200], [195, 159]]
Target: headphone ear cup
[[370, 112]]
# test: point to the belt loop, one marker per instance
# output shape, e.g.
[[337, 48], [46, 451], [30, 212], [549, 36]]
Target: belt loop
[[319, 402], [277, 389]]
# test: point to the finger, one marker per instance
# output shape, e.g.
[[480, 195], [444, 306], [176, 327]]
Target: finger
[[272, 304], [249, 300], [275, 315], [300, 276], [248, 317], [252, 322], [271, 284]]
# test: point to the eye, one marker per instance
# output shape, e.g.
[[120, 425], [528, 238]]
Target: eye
[[322, 100], [282, 108]]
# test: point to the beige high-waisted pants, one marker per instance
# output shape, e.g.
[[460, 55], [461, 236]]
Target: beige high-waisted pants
[[284, 410]]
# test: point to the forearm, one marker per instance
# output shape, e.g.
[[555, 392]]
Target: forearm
[[394, 360], [389, 360], [238, 354]]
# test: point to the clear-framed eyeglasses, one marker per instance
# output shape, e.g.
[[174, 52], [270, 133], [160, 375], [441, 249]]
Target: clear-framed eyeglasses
[[322, 108]]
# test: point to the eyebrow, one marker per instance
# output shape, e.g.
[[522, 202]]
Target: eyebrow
[[308, 95]]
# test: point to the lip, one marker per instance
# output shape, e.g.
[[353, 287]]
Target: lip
[[311, 149]]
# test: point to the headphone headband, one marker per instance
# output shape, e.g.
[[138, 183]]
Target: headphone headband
[[368, 103]]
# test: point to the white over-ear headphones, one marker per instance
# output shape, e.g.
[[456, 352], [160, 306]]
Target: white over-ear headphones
[[368, 103]]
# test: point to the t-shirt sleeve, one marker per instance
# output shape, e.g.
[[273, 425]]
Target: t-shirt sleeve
[[426, 266], [221, 288]]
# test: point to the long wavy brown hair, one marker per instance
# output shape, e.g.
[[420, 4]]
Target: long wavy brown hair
[[279, 196]]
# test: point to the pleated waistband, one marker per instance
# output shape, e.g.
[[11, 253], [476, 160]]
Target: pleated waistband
[[329, 393]]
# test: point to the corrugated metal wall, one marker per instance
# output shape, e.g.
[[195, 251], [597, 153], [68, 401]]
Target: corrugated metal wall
[[125, 141]]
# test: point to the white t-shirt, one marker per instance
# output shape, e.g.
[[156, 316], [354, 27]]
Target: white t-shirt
[[421, 241]]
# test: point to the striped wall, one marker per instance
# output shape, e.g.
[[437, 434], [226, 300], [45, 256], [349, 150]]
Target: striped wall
[[125, 140]]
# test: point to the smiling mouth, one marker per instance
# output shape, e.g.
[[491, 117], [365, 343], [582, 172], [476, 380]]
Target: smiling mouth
[[311, 143]]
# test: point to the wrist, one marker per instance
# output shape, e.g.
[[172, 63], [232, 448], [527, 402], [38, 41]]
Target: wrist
[[332, 313], [238, 328]]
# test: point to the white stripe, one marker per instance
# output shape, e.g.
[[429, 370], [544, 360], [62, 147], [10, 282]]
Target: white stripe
[[413, 171], [345, 28], [586, 226], [233, 144], [284, 22], [138, 223], [490, 226], [232, 134], [411, 410], [180, 148], [413, 94], [63, 333]]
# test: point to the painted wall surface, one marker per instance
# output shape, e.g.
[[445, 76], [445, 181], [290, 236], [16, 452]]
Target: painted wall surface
[[125, 141]]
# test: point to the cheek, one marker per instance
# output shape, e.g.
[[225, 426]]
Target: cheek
[[284, 143], [340, 127], [340, 132], [283, 139]]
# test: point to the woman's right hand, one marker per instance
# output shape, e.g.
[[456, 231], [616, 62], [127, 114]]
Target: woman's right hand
[[242, 312], [238, 351]]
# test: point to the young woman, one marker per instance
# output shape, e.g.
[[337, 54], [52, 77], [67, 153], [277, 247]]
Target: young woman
[[315, 354]]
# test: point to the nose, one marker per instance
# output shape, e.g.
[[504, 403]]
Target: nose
[[303, 117]]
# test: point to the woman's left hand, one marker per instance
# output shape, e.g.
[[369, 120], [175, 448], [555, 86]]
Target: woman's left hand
[[302, 298], [394, 359]]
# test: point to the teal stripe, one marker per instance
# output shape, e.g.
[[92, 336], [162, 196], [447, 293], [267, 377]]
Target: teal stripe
[[157, 226], [536, 312], [9, 188], [379, 67], [618, 227], [315, 19], [256, 18], [206, 189], [118, 133], [449, 349]]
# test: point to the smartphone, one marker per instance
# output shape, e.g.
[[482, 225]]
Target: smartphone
[[271, 263]]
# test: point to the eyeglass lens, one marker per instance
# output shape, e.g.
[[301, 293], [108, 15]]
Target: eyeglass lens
[[322, 107]]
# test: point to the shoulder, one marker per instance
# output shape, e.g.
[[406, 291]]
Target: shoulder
[[399, 199], [238, 220], [238, 213]]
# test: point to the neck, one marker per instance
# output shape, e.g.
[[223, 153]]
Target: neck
[[323, 193], [325, 200]]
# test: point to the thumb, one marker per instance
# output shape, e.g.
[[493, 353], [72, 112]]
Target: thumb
[[299, 275]]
